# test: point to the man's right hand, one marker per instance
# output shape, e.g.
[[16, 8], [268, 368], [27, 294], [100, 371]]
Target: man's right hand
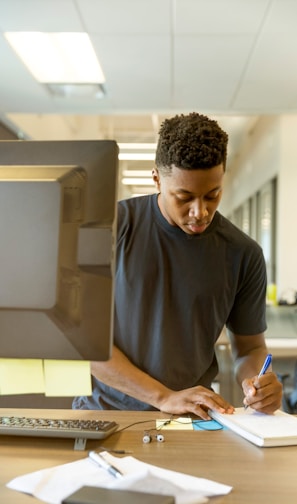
[[196, 400]]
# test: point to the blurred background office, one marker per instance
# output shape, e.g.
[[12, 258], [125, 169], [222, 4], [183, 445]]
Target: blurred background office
[[234, 60]]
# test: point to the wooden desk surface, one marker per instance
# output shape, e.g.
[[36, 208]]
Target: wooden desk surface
[[257, 474]]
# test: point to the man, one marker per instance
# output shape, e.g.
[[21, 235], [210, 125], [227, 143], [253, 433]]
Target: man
[[183, 273]]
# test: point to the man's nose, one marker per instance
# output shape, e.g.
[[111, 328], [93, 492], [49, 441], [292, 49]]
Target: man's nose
[[198, 209]]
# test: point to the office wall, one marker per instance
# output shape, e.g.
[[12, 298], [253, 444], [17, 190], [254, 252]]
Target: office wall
[[270, 150], [287, 205], [257, 163]]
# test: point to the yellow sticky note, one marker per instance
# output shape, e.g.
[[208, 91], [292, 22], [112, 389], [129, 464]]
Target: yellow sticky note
[[67, 378], [181, 423], [21, 376]]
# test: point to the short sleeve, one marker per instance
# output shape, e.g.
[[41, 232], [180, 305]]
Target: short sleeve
[[248, 314]]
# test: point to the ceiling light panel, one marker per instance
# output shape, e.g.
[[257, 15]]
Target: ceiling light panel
[[138, 181], [137, 156], [137, 173], [137, 146], [57, 57]]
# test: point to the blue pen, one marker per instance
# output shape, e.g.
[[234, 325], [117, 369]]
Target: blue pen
[[264, 368], [266, 364]]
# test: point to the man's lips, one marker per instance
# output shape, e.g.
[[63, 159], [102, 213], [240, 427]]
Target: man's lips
[[197, 227]]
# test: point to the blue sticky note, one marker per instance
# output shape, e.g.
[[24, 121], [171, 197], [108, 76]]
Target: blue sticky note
[[207, 425]]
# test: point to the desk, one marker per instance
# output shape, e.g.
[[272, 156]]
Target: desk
[[257, 474]]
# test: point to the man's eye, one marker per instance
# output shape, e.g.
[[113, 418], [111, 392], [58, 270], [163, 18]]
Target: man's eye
[[212, 197], [183, 199]]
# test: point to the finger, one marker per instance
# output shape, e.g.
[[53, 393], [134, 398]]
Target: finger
[[213, 400], [202, 406], [267, 405], [249, 390], [267, 399], [201, 412]]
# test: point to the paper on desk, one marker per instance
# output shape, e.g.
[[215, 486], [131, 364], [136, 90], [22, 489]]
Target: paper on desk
[[54, 484]]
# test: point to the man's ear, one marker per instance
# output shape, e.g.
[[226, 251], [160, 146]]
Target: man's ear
[[156, 178]]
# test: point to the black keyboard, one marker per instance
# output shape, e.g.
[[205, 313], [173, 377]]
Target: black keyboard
[[80, 430]]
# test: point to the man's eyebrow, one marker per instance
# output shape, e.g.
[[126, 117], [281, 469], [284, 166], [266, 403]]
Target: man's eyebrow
[[185, 191], [180, 189]]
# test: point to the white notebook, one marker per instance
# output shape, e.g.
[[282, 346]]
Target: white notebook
[[279, 429]]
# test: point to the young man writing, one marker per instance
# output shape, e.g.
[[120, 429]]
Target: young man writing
[[183, 273]]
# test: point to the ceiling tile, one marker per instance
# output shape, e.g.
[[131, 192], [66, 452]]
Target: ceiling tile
[[208, 68], [126, 16], [219, 17], [271, 60], [281, 18], [279, 96], [135, 77], [39, 15]]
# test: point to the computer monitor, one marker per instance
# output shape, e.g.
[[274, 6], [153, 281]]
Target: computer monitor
[[57, 227]]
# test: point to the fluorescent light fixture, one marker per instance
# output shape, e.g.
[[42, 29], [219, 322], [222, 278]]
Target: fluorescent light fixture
[[138, 146], [58, 57], [137, 156], [76, 90], [137, 173], [131, 155], [137, 181]]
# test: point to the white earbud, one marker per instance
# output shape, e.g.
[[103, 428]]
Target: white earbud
[[147, 438]]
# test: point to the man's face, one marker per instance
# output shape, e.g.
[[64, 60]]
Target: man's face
[[189, 198]]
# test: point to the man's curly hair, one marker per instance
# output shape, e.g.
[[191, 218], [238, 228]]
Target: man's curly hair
[[190, 142]]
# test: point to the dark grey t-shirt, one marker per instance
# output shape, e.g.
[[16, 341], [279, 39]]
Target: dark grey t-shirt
[[174, 294]]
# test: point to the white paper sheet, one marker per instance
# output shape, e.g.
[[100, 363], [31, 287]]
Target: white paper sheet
[[54, 484]]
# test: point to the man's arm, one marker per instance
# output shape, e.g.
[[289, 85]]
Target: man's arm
[[249, 352], [121, 374]]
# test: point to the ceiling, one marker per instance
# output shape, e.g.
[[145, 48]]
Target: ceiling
[[231, 59]]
